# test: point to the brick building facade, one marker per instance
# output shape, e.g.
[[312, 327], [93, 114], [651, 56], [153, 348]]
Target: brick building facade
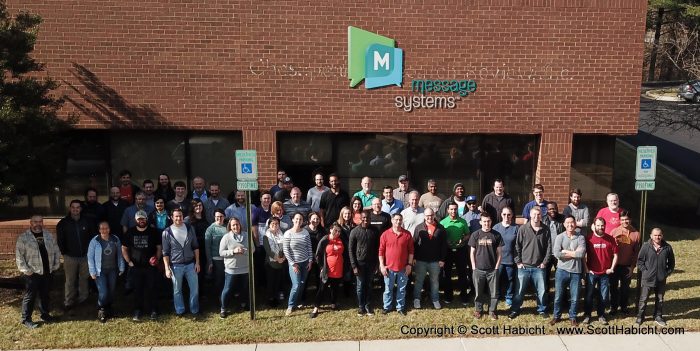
[[552, 69]]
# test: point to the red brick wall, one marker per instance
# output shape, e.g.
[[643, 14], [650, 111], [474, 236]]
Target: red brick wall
[[550, 67]]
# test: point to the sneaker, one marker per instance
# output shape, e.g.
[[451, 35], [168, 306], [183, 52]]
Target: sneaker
[[493, 316], [47, 318], [137, 316], [660, 321], [154, 316], [402, 312], [370, 311], [477, 314], [603, 320], [314, 313], [416, 304], [360, 311], [436, 305], [554, 321], [223, 315], [586, 320], [544, 315], [447, 302], [101, 315], [512, 315], [638, 322], [288, 312], [30, 324]]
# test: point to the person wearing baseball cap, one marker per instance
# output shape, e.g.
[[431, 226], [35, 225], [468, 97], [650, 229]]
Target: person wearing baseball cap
[[284, 194], [402, 190], [472, 214], [140, 245]]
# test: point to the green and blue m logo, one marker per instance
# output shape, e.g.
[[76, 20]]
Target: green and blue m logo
[[374, 58]]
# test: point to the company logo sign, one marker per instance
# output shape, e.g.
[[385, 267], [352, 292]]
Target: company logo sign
[[374, 58]]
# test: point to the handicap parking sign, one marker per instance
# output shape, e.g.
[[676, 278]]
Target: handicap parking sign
[[646, 163]]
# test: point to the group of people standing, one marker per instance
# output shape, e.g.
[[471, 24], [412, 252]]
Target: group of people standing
[[335, 240]]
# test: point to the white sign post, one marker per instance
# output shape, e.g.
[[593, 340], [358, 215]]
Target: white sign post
[[247, 175]]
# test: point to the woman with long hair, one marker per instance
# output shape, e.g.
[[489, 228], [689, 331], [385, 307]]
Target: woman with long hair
[[356, 210], [275, 263], [346, 225], [198, 220], [165, 188], [297, 250]]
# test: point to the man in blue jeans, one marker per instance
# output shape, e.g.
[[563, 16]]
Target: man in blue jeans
[[601, 259], [570, 250], [532, 250], [181, 258], [430, 245], [395, 258]]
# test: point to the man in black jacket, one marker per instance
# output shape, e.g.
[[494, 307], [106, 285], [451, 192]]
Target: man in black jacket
[[364, 255], [73, 234], [430, 249], [655, 263]]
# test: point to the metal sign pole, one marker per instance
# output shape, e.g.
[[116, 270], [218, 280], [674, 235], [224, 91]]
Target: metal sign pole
[[251, 269]]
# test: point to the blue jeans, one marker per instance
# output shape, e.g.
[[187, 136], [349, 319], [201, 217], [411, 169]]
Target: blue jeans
[[187, 271], [401, 280], [603, 283], [525, 275], [433, 269], [298, 282], [235, 282], [106, 284], [365, 273], [563, 278], [507, 274]]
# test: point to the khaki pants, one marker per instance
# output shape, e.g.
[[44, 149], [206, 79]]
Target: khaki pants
[[76, 269]]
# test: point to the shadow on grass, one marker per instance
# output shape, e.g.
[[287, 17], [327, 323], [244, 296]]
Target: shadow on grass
[[680, 308], [683, 284]]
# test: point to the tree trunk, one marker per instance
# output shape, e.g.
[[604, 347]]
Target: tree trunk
[[655, 47]]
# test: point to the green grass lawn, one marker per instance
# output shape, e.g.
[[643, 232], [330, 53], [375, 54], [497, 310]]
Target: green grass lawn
[[672, 207]]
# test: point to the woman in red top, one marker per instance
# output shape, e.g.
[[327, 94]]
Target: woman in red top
[[329, 256]]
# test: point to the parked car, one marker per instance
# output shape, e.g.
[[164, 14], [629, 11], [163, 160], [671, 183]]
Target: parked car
[[690, 91]]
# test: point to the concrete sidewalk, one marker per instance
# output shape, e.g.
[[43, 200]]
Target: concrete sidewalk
[[680, 342]]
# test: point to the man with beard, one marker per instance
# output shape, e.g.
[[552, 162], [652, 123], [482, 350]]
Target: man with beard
[[141, 250], [37, 256], [114, 208], [457, 199], [578, 210], [91, 207], [363, 252], [627, 239], [149, 189], [601, 259], [313, 196], [238, 209], [214, 201], [73, 234], [333, 201], [128, 219], [611, 213], [457, 239]]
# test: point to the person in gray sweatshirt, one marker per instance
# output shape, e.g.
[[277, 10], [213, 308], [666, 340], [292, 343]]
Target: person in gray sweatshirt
[[234, 248], [532, 250], [569, 249]]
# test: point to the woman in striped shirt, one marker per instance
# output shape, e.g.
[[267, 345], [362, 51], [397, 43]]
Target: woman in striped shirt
[[297, 250]]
